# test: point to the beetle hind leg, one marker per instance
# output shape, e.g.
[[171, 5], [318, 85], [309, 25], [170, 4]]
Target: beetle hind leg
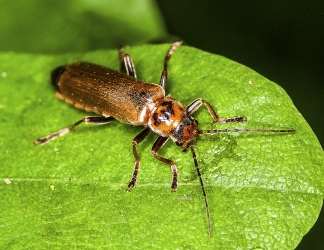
[[140, 137], [86, 120]]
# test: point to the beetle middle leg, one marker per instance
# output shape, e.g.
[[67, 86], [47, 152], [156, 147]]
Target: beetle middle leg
[[158, 144], [192, 107], [126, 63], [86, 120], [140, 137]]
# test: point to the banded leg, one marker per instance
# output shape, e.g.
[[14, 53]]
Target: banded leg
[[140, 137], [86, 120], [192, 107], [158, 144], [164, 75], [126, 63]]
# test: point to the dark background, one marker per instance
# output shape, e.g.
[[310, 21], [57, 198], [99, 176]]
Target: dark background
[[282, 40]]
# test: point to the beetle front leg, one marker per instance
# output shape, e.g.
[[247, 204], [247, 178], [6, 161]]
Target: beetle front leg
[[159, 143], [192, 107], [164, 74], [140, 137]]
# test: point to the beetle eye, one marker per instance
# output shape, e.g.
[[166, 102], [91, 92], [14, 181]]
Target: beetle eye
[[179, 143]]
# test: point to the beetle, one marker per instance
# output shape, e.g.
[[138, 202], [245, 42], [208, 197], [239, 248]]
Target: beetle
[[121, 96]]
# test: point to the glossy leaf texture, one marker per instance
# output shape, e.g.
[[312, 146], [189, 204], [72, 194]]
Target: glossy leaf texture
[[264, 190]]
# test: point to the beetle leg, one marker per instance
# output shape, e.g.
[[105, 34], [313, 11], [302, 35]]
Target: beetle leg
[[192, 107], [86, 120], [158, 144], [126, 63], [140, 137], [164, 75]]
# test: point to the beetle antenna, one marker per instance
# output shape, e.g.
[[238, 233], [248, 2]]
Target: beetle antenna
[[216, 131], [202, 188], [174, 46]]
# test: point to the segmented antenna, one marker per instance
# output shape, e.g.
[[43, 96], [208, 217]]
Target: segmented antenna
[[202, 188], [216, 131]]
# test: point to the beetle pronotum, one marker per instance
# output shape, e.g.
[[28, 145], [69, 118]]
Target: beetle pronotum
[[122, 97]]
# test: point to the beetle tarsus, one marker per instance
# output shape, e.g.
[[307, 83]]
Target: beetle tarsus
[[174, 184]]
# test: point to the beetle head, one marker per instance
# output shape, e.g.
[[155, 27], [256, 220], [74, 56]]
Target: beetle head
[[170, 119], [185, 132]]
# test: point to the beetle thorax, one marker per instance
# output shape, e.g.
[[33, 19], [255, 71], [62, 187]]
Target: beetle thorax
[[170, 119]]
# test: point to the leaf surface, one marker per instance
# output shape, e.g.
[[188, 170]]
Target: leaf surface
[[264, 190]]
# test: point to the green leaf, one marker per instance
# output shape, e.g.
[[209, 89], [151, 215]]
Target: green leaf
[[73, 26], [264, 190]]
